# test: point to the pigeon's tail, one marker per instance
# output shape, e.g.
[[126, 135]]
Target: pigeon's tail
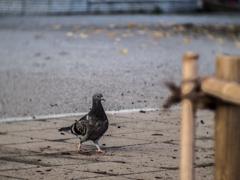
[[65, 129]]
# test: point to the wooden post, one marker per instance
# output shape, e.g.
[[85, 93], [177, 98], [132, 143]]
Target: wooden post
[[187, 125], [227, 91], [227, 125]]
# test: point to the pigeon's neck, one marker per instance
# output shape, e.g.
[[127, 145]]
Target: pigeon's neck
[[97, 109]]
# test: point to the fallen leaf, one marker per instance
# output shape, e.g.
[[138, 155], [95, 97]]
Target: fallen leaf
[[112, 34], [71, 33], [93, 28], [40, 37], [124, 51], [124, 35], [77, 28], [144, 45], [141, 32], [88, 32], [187, 41], [237, 44], [100, 31], [157, 35], [111, 26], [118, 39], [54, 26], [63, 53], [57, 40], [219, 40], [81, 35], [131, 24], [180, 28]]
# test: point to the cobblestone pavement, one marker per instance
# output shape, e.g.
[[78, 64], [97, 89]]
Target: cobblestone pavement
[[137, 146], [53, 65]]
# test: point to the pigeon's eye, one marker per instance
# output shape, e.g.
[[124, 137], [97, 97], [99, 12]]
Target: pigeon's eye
[[97, 96]]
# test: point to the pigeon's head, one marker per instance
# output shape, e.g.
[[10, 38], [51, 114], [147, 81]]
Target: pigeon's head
[[97, 97]]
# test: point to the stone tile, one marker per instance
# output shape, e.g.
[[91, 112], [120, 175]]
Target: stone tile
[[33, 125], [6, 165], [113, 129], [14, 139], [8, 178], [109, 178], [111, 168], [204, 173], [153, 136], [107, 142], [163, 174], [48, 134], [45, 147], [53, 160], [48, 173]]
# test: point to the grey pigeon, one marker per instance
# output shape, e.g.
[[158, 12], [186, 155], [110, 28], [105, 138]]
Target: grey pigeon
[[91, 126]]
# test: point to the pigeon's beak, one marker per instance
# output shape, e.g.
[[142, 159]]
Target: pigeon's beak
[[102, 99]]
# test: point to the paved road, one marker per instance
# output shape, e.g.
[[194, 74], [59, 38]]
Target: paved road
[[48, 69], [138, 146]]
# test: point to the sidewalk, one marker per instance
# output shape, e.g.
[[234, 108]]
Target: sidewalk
[[137, 146]]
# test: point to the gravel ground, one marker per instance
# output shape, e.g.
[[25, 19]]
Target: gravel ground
[[50, 65]]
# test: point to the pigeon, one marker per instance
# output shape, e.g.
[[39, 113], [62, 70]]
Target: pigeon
[[92, 126]]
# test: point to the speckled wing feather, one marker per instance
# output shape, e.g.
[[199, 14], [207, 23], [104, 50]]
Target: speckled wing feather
[[80, 126]]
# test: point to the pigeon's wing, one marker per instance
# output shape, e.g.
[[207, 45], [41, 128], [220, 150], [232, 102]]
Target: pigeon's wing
[[80, 126]]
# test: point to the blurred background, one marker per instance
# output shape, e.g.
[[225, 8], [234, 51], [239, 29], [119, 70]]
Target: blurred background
[[55, 54]]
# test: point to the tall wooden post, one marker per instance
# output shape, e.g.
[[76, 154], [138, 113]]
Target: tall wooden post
[[187, 124], [227, 125]]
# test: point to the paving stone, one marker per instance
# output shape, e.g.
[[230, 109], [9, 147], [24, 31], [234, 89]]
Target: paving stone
[[48, 173], [111, 168], [153, 136], [45, 147], [6, 165], [108, 142], [32, 125], [48, 134], [14, 139], [163, 174]]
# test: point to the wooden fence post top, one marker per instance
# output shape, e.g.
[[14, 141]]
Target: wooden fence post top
[[188, 56], [227, 56]]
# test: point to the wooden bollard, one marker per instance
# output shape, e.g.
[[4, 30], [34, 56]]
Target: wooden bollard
[[187, 123], [227, 124]]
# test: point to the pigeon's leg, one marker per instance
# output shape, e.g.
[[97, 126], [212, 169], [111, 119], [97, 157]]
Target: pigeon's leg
[[79, 147], [99, 149]]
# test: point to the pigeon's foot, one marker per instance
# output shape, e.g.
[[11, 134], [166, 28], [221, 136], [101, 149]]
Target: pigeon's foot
[[100, 151], [79, 148]]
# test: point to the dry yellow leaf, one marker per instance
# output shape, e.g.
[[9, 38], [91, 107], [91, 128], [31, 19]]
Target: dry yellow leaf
[[219, 40], [111, 26], [81, 35], [54, 26], [144, 45], [71, 33], [93, 28], [112, 34], [76, 28], [237, 44], [157, 35], [100, 31], [124, 51], [187, 41], [118, 39], [57, 40], [180, 28], [131, 24], [141, 32], [88, 32]]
